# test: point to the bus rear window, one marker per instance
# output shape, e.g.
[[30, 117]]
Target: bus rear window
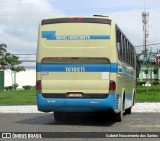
[[76, 20], [75, 60]]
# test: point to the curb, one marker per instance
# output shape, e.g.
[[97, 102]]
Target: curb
[[139, 107]]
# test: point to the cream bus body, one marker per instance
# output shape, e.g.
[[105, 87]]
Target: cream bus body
[[84, 64]]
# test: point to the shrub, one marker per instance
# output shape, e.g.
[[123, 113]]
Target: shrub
[[27, 87], [8, 88], [141, 83], [15, 86], [33, 88], [155, 83]]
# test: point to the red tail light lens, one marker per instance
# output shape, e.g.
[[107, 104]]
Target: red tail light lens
[[75, 18], [38, 86], [71, 18], [112, 86]]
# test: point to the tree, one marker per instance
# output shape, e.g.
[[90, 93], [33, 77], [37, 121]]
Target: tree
[[3, 49], [12, 62]]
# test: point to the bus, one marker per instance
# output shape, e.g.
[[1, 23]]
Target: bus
[[84, 64]]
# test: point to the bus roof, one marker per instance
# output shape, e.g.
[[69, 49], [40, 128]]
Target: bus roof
[[94, 16], [100, 19]]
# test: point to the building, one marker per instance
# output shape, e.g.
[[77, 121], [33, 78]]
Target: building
[[150, 69]]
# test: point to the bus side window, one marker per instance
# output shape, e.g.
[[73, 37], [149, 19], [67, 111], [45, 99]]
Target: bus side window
[[124, 48], [127, 52], [134, 58], [118, 42], [130, 54], [121, 47]]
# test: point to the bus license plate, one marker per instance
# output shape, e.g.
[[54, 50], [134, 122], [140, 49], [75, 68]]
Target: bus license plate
[[74, 95]]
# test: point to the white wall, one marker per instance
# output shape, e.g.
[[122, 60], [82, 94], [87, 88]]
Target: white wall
[[154, 76], [27, 77]]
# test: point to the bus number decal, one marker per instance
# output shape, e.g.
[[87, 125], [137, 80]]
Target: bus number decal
[[75, 69]]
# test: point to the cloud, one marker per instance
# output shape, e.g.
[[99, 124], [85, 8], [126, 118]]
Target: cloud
[[154, 22], [131, 24], [20, 19], [19, 23]]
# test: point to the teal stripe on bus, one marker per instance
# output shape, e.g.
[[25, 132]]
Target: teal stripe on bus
[[51, 67]]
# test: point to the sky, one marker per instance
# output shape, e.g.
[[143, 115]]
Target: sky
[[19, 19]]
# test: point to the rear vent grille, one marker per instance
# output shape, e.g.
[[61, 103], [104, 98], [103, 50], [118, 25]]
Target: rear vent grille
[[117, 101]]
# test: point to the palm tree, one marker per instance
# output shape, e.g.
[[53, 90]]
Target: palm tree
[[3, 49]]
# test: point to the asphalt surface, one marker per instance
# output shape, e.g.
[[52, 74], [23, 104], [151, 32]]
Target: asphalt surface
[[138, 107], [44, 122]]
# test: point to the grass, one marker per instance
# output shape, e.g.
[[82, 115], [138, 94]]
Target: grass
[[153, 94], [19, 97], [28, 97]]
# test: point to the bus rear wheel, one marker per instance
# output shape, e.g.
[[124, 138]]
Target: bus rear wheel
[[58, 116], [128, 111], [118, 116]]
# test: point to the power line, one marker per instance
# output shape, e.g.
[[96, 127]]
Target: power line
[[24, 54], [147, 45]]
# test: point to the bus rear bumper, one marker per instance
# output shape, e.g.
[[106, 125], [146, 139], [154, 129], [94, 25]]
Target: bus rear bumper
[[78, 105]]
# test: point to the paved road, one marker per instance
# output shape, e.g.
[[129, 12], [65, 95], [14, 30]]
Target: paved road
[[44, 122], [138, 107]]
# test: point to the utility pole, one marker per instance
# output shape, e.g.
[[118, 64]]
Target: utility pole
[[145, 20]]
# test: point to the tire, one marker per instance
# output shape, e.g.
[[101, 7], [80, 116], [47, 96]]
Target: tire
[[128, 111], [118, 117], [134, 100], [58, 116]]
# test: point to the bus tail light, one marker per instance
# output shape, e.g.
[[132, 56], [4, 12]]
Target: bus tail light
[[76, 18], [38, 86], [112, 86]]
